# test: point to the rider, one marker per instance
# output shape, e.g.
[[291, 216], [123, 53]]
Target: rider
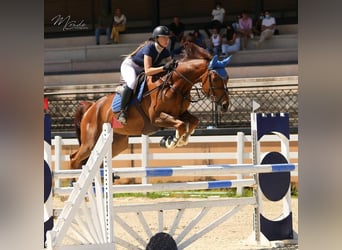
[[147, 57]]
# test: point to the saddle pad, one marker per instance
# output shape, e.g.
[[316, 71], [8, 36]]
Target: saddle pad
[[116, 103], [116, 123]]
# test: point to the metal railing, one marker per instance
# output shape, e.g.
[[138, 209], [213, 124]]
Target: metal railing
[[63, 102]]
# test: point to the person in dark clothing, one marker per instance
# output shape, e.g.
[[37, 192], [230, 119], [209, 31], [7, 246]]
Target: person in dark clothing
[[104, 24], [176, 32]]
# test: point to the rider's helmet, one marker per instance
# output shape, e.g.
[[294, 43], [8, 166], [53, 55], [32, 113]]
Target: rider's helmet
[[160, 31]]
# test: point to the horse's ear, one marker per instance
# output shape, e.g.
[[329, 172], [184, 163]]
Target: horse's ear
[[213, 62], [226, 60]]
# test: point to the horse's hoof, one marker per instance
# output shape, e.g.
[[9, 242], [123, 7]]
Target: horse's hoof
[[171, 142], [162, 142], [168, 142], [115, 177]]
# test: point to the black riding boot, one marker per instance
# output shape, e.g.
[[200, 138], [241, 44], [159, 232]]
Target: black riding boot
[[125, 98]]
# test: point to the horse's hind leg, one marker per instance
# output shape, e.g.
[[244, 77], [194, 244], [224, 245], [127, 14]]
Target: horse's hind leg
[[120, 143], [77, 158]]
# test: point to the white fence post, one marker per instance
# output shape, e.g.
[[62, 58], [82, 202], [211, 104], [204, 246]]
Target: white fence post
[[240, 157], [144, 155], [58, 157]]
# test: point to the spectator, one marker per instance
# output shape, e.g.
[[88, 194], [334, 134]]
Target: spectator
[[176, 32], [235, 24], [188, 38], [257, 26], [245, 28], [267, 28], [231, 41], [215, 42], [199, 39], [104, 25], [119, 25], [217, 18]]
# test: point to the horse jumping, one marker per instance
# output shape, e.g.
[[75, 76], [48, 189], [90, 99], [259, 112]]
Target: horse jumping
[[164, 104]]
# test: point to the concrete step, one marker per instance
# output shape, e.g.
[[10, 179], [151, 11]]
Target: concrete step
[[236, 74], [69, 42], [265, 56], [287, 28], [276, 42], [89, 52], [111, 51], [101, 60], [63, 42]]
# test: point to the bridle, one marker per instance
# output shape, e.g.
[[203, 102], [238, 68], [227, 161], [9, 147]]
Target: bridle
[[212, 87]]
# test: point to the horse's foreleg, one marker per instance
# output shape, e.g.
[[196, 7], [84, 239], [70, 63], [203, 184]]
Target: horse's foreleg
[[169, 121], [191, 122]]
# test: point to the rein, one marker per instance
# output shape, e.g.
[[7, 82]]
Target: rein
[[211, 94], [166, 80], [192, 84]]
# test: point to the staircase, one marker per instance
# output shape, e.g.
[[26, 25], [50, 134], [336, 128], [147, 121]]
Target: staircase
[[77, 60]]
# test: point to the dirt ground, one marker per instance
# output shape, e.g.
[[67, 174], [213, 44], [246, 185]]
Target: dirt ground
[[230, 235]]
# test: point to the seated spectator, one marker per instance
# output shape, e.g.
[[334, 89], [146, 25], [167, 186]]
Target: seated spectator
[[199, 39], [235, 24], [176, 32], [245, 28], [257, 26], [217, 18], [104, 25], [267, 28], [215, 42], [188, 38], [230, 42], [119, 25]]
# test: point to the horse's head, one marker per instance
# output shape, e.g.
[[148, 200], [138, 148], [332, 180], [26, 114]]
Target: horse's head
[[215, 84]]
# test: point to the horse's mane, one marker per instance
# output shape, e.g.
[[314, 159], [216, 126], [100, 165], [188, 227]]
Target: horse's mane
[[193, 51]]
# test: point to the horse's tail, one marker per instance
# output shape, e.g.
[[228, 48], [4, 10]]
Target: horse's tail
[[82, 108]]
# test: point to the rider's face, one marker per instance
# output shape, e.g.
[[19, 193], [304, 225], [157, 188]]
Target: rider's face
[[163, 41]]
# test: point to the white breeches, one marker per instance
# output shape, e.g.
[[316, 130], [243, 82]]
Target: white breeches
[[129, 72]]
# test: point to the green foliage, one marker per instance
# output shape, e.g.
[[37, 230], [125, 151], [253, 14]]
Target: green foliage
[[224, 192], [294, 190]]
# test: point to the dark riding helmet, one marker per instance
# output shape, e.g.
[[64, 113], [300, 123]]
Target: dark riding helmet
[[160, 31]]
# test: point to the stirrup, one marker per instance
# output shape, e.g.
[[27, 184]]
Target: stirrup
[[122, 118]]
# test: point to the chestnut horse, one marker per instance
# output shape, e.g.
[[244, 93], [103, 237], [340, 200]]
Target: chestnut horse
[[164, 104]]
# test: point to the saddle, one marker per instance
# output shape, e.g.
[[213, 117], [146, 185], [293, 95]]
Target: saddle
[[137, 95], [138, 92], [135, 100]]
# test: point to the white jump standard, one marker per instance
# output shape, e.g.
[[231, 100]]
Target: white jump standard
[[89, 225]]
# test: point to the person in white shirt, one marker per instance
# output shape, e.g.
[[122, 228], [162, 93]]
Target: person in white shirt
[[215, 42], [218, 13], [119, 25], [267, 28], [217, 19]]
